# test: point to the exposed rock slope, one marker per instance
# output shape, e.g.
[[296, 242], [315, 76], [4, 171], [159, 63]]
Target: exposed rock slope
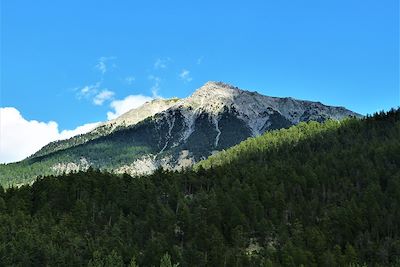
[[176, 133]]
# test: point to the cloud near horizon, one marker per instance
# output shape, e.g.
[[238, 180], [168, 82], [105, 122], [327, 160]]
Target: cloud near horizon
[[126, 104], [20, 138]]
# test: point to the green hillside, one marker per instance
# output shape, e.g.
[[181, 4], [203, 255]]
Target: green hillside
[[312, 195]]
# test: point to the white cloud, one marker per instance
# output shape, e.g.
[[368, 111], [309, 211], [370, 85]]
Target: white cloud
[[185, 76], [126, 104], [130, 79], [103, 96], [88, 90], [95, 93], [102, 66], [19, 138], [161, 63], [199, 60], [155, 88], [65, 134]]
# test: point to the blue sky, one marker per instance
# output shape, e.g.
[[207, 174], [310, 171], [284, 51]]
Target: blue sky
[[339, 52]]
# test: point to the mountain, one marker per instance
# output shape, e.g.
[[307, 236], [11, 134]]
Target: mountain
[[173, 133], [316, 194], [127, 119]]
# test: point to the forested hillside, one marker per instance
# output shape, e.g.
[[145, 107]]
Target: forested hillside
[[316, 194]]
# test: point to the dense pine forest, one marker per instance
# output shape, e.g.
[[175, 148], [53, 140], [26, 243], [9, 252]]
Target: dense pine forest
[[316, 194]]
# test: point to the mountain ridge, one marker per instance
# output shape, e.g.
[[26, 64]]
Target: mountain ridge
[[176, 133], [214, 91]]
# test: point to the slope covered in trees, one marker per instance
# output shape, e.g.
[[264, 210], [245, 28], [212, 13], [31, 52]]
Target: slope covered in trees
[[313, 195]]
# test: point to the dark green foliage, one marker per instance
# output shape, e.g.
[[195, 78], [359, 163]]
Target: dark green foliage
[[311, 195], [166, 261]]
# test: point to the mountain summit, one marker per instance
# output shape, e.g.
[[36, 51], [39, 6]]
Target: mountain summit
[[258, 111], [176, 133]]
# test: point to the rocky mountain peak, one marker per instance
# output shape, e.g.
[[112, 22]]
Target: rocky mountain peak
[[219, 84], [178, 132], [216, 98], [219, 89], [212, 97]]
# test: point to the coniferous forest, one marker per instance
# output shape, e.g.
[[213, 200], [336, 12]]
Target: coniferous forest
[[316, 194]]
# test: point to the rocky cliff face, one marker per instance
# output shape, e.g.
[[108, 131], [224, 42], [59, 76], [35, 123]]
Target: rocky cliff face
[[259, 112], [176, 133], [218, 116]]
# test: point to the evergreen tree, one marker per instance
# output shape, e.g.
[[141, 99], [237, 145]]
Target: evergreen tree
[[166, 261]]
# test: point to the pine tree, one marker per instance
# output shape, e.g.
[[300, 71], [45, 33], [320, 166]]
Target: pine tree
[[166, 261], [133, 262]]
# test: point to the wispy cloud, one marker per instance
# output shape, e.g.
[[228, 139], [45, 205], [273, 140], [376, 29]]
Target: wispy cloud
[[161, 63], [130, 79], [103, 96], [95, 93], [185, 76], [102, 64], [155, 88], [87, 91], [199, 60]]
